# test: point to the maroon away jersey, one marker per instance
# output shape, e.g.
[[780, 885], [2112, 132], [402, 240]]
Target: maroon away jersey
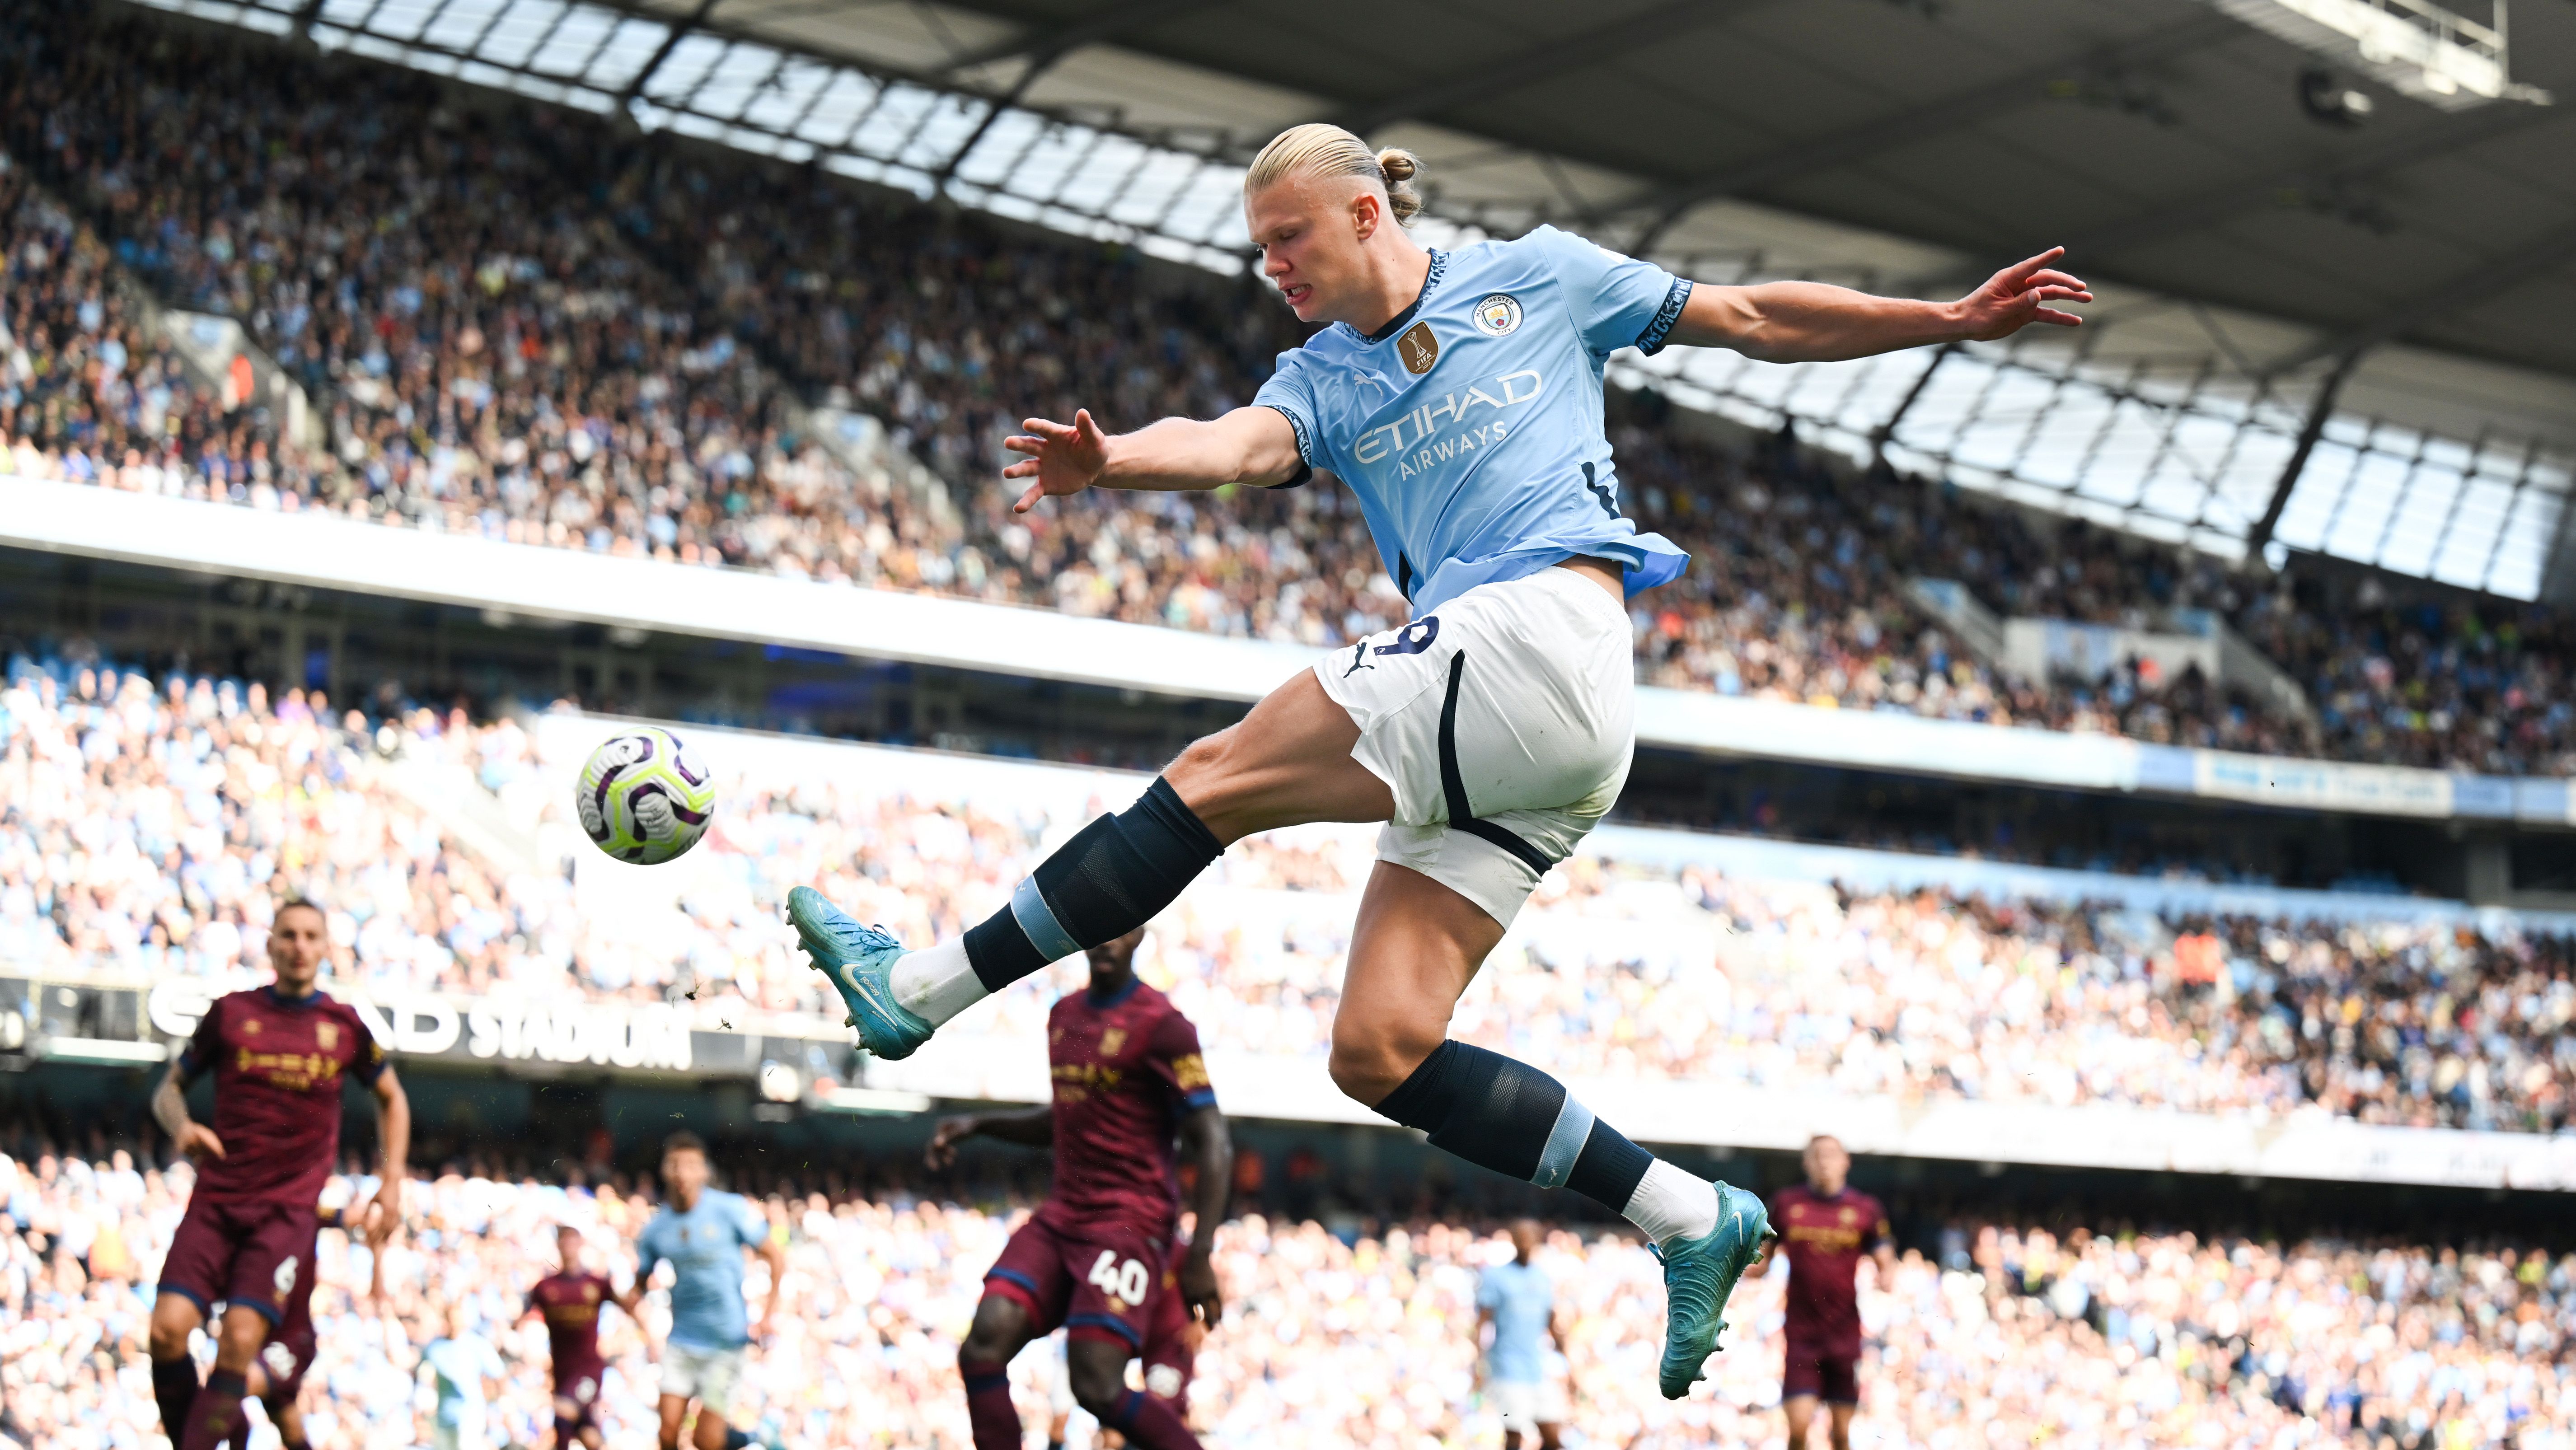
[[570, 1303], [1125, 1072], [1825, 1239], [278, 1064]]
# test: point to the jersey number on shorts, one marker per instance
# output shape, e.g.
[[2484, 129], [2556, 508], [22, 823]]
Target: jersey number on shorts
[[1124, 1281]]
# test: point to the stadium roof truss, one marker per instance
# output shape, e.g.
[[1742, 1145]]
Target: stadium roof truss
[[2216, 426]]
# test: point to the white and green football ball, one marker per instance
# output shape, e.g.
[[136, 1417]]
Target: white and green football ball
[[645, 797]]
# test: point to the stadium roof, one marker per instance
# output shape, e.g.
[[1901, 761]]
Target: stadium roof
[[2384, 311]]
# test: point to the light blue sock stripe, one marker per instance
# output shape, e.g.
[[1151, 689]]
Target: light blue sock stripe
[[1037, 920], [1564, 1143]]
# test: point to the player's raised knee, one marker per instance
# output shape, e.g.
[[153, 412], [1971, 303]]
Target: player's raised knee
[[1203, 771], [1371, 1059]]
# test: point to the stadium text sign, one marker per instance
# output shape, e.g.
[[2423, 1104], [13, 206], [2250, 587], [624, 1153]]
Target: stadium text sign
[[651, 1036]]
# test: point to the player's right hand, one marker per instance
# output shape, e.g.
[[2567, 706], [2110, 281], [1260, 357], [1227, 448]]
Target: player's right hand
[[944, 1140], [1064, 459], [199, 1141]]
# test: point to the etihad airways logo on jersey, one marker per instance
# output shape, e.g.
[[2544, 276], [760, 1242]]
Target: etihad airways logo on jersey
[[1409, 440]]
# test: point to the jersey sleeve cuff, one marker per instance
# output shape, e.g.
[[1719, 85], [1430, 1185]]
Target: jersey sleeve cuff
[[1198, 1099], [1305, 445], [1651, 341]]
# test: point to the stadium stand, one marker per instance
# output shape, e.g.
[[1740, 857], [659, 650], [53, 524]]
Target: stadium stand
[[525, 326], [2108, 1336], [148, 830]]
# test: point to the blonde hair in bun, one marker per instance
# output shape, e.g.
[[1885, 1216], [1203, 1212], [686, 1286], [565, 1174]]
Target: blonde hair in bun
[[1320, 148]]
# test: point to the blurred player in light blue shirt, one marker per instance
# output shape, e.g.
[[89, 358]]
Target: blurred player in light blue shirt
[[702, 1234], [1517, 1300], [466, 1373]]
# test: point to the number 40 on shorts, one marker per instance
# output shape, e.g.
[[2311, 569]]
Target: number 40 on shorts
[[1127, 1281]]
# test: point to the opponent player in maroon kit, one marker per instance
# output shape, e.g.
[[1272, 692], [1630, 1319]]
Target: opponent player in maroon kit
[[279, 1055], [569, 1299], [1096, 1258], [1825, 1228]]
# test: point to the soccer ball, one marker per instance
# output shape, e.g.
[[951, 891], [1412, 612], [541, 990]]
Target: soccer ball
[[644, 797]]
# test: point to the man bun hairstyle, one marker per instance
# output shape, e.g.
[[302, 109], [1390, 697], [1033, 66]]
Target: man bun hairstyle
[[1320, 148]]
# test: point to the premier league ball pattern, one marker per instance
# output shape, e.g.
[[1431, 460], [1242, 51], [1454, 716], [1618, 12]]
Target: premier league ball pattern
[[644, 797]]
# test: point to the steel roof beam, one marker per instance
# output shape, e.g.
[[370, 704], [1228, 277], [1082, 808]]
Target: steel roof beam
[[1044, 45], [1967, 108], [670, 42], [2364, 166], [1543, 61], [2553, 248]]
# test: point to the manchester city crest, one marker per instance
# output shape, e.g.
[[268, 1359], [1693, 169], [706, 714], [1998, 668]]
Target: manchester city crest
[[1496, 314]]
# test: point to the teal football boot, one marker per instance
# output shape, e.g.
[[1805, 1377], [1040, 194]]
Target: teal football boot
[[859, 959], [1699, 1274]]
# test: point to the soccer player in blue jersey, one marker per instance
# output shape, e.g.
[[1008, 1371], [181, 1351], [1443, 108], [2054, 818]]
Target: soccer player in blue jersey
[[702, 1233], [1458, 396]]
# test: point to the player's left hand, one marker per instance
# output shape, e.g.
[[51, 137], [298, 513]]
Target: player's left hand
[[1199, 1289], [383, 1213], [2018, 296], [1063, 458]]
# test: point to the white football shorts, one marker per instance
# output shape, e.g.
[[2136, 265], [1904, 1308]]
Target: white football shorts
[[1524, 1405], [1503, 722], [708, 1376]]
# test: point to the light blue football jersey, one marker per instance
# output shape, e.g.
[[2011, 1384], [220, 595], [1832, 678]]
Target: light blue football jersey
[[704, 1246], [1470, 426]]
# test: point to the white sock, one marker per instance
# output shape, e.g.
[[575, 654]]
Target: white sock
[[937, 983], [1670, 1204]]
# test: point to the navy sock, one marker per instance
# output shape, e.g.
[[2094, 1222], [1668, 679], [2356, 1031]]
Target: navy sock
[[1514, 1119], [1150, 1424], [216, 1413], [991, 1418], [174, 1388], [736, 1439], [1110, 879]]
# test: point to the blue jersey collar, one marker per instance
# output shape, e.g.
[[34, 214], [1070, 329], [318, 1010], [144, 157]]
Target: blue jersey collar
[[1430, 282]]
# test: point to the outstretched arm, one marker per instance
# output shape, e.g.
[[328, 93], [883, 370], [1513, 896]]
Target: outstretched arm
[[1249, 445], [1035, 1129], [1815, 322]]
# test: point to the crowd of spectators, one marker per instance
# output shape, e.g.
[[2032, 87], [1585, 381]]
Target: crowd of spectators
[[1359, 1337], [85, 386], [524, 324], [148, 831]]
